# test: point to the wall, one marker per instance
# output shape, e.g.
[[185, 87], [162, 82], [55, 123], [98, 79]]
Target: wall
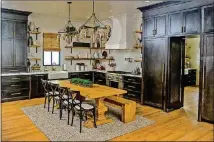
[[51, 24], [193, 51]]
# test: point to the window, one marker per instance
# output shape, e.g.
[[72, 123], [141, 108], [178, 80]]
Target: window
[[51, 58]]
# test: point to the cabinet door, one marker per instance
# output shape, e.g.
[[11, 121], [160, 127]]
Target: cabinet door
[[192, 21], [207, 103], [154, 54], [7, 29], [208, 19], [175, 23], [160, 26], [20, 30], [20, 48], [7, 53], [149, 27]]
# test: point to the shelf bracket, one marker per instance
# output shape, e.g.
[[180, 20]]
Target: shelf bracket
[[71, 50], [71, 62]]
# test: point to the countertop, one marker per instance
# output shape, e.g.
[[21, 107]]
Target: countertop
[[35, 73]]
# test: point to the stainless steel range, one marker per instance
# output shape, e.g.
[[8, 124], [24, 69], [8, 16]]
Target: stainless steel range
[[115, 78]]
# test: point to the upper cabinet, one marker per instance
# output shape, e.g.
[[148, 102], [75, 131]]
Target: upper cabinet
[[185, 22], [155, 26], [175, 23], [208, 18]]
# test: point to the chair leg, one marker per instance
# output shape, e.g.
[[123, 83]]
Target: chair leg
[[60, 107], [86, 118], [73, 114], [94, 115], [68, 115], [53, 105], [45, 101], [80, 121], [48, 103]]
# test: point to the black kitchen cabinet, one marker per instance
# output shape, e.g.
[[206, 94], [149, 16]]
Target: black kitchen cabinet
[[208, 18], [149, 26], [155, 63], [133, 87], [176, 23], [190, 78], [73, 75], [100, 78], [207, 103], [155, 26], [14, 40], [37, 89], [185, 22], [86, 75], [192, 21], [15, 88]]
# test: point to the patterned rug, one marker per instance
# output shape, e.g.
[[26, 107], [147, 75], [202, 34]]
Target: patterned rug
[[58, 130]]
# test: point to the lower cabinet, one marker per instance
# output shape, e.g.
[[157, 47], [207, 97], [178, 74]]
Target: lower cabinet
[[190, 78], [15, 88], [100, 78], [133, 87], [83, 75], [37, 89]]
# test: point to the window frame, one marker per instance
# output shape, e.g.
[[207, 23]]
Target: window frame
[[51, 58]]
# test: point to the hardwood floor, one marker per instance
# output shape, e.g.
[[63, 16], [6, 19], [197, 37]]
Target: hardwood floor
[[177, 125]]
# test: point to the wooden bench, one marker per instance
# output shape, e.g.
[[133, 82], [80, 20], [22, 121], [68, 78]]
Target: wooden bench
[[128, 107]]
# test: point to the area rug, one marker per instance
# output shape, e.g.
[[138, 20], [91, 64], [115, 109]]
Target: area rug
[[58, 130]]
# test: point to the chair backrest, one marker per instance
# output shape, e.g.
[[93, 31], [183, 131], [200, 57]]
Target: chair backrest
[[63, 91], [53, 87], [75, 95], [45, 85]]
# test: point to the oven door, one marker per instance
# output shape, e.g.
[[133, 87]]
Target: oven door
[[114, 84]]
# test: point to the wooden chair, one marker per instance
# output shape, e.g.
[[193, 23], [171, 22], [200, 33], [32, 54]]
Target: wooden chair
[[81, 108]]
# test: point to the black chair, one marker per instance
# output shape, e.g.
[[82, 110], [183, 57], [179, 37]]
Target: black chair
[[54, 92], [81, 108], [47, 92], [70, 102]]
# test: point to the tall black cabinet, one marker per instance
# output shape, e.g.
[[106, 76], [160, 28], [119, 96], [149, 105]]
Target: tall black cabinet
[[162, 79], [14, 40]]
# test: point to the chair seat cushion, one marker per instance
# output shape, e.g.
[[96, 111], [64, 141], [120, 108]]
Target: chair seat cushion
[[70, 101], [85, 106], [51, 93]]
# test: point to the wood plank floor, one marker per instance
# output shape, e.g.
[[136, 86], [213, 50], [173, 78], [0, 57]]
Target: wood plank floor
[[177, 125]]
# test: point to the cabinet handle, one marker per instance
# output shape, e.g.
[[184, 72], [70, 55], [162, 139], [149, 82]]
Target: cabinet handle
[[184, 29], [153, 32], [15, 85], [129, 79], [204, 71], [131, 86], [16, 94], [12, 70], [16, 78], [163, 70]]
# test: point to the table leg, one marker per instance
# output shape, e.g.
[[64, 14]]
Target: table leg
[[101, 118]]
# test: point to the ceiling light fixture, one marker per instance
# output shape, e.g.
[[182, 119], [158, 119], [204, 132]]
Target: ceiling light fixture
[[69, 30], [93, 27]]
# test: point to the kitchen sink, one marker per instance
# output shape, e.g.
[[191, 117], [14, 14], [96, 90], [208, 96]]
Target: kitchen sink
[[57, 74]]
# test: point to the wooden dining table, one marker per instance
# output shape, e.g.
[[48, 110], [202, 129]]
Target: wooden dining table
[[98, 93]]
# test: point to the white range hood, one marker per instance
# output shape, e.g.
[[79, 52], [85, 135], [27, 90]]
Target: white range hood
[[122, 33]]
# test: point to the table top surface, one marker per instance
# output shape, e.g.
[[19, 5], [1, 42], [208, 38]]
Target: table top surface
[[97, 91]]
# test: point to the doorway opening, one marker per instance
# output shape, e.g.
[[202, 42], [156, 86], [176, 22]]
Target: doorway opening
[[191, 74], [184, 69]]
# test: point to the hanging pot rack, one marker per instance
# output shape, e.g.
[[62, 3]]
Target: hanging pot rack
[[69, 29]]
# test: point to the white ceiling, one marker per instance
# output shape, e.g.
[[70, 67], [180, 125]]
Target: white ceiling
[[80, 10]]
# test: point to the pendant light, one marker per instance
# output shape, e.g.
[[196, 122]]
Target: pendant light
[[69, 30], [96, 27]]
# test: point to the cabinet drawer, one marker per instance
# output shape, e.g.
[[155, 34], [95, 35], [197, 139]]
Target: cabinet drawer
[[133, 87], [73, 75], [99, 75], [133, 95], [134, 80]]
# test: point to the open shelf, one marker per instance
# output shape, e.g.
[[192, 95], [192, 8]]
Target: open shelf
[[138, 60], [35, 46], [102, 48], [71, 58], [34, 59], [34, 32], [140, 32]]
